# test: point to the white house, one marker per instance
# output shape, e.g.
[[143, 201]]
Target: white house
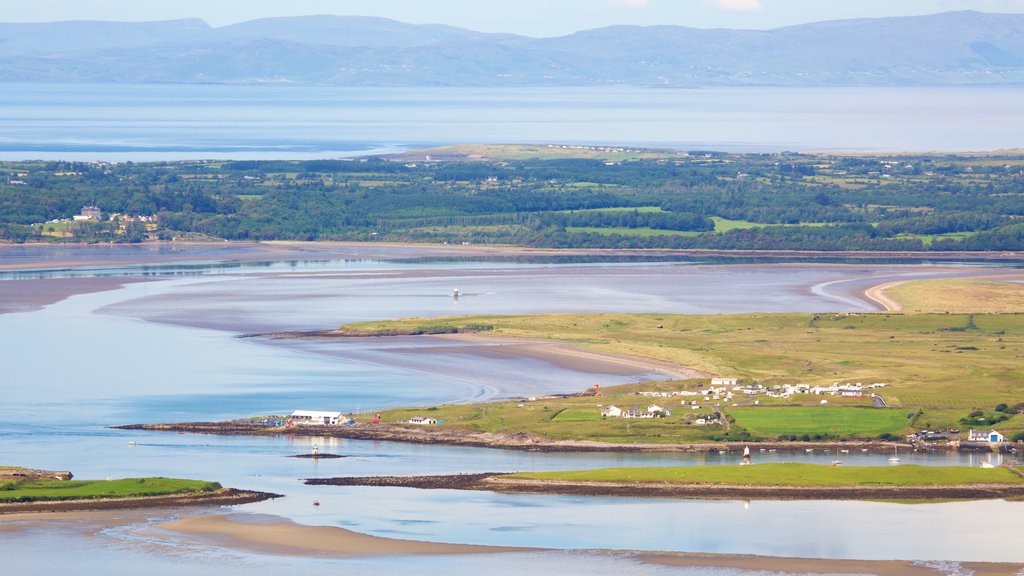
[[985, 436], [315, 418], [611, 411], [421, 420], [724, 381]]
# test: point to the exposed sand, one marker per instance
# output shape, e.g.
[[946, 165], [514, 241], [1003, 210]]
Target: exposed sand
[[821, 566], [268, 534], [27, 295], [566, 355], [276, 535], [877, 295]]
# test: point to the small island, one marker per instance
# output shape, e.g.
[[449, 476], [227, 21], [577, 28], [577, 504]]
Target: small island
[[28, 490], [775, 481]]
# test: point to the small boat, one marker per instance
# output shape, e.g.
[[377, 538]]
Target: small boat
[[131, 442], [987, 465], [844, 451], [810, 450], [837, 462], [895, 458], [316, 502]]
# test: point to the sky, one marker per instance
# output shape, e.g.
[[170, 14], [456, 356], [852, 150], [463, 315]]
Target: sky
[[528, 17]]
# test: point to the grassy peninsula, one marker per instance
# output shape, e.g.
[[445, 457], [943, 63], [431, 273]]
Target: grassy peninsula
[[763, 481], [26, 490], [791, 474], [54, 490], [941, 371]]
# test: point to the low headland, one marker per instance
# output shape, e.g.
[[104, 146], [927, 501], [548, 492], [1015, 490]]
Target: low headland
[[775, 481], [24, 490]]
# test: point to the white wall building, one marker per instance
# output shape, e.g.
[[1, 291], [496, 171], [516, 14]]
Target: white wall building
[[315, 418]]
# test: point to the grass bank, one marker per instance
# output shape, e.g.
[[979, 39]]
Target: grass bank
[[56, 490], [790, 474]]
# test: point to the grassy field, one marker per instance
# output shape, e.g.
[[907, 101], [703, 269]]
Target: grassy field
[[629, 231], [792, 474], [820, 421], [943, 364], [566, 419], [959, 296], [47, 490]]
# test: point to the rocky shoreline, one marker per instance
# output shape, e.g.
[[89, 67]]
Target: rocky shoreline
[[497, 482], [453, 436], [224, 497]]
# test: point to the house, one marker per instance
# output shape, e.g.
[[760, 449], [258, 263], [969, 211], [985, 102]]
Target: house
[[990, 436], [89, 213], [724, 381], [611, 411], [421, 420], [315, 418]]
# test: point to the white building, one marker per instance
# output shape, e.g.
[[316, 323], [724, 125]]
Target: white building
[[611, 411], [315, 418], [985, 436], [421, 420], [724, 381]]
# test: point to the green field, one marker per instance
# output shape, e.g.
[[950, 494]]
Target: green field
[[791, 474], [50, 490], [820, 421], [629, 231]]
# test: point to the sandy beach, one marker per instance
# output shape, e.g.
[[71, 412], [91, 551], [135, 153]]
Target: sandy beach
[[269, 534]]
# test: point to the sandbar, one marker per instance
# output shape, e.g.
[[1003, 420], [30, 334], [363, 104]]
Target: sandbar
[[270, 534], [273, 535]]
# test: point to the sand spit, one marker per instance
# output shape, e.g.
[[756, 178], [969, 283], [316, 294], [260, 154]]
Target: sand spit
[[276, 535], [502, 483], [269, 534], [225, 497]]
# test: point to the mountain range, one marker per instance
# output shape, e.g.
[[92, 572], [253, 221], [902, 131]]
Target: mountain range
[[952, 48]]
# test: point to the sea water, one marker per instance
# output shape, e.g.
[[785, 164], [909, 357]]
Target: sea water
[[166, 351], [63, 121]]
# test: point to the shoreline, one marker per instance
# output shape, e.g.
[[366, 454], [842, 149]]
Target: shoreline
[[274, 535], [499, 482], [877, 295], [224, 497], [250, 251], [463, 437]]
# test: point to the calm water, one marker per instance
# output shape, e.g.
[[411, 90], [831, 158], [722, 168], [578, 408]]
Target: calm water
[[165, 350], [163, 122]]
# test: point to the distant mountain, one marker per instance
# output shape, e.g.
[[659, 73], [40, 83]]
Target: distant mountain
[[960, 48]]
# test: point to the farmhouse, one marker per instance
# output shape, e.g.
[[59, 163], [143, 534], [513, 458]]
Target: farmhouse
[[421, 420], [990, 436], [611, 411], [315, 418]]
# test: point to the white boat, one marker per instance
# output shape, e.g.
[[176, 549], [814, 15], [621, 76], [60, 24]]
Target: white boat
[[895, 458]]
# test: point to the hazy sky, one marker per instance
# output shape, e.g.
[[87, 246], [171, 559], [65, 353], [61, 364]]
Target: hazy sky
[[529, 17]]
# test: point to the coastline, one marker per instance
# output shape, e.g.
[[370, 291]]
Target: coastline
[[269, 534], [877, 295], [464, 437], [224, 497], [492, 482]]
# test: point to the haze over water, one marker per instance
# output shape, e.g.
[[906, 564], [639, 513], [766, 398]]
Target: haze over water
[[171, 122]]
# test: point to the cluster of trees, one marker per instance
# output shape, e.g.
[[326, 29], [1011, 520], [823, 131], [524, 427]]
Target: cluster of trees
[[797, 202]]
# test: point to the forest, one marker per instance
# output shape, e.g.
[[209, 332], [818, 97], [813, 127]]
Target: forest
[[776, 201]]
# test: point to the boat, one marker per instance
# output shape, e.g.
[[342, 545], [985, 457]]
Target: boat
[[895, 458]]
